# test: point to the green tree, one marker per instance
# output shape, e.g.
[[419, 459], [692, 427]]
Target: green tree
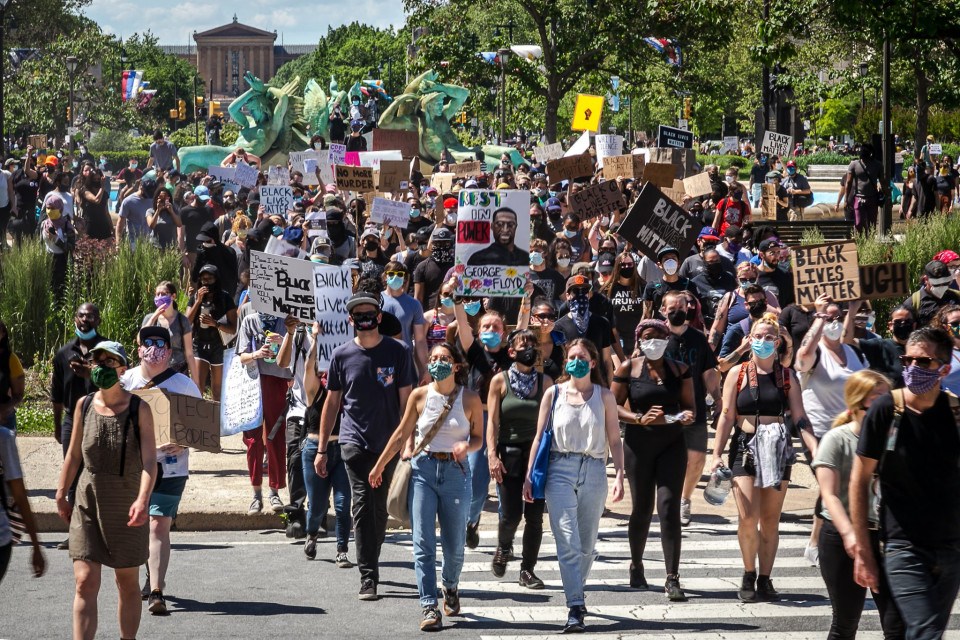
[[837, 119]]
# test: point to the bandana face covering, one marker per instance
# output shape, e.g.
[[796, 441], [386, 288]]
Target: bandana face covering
[[152, 355], [440, 370], [580, 312], [442, 255], [522, 383]]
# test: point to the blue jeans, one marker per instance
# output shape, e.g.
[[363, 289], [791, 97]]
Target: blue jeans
[[480, 471], [11, 422], [576, 492], [924, 583], [318, 491], [438, 489]]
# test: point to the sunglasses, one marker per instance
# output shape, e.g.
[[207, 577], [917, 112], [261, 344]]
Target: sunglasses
[[545, 317], [923, 362], [155, 342], [396, 274]]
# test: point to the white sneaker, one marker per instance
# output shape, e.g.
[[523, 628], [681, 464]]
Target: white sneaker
[[812, 554], [684, 512]]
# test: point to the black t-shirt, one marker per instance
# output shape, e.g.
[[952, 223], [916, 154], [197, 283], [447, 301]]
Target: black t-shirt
[[547, 283], [796, 321], [430, 273], [27, 191], [692, 349], [780, 284], [372, 266], [711, 290], [598, 330], [758, 174], [920, 478], [220, 302], [883, 355], [484, 365], [929, 305], [627, 312], [193, 219]]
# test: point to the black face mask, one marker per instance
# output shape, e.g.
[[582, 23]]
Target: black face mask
[[677, 318], [714, 268], [626, 272], [902, 329], [365, 321], [371, 246], [527, 357], [757, 309]]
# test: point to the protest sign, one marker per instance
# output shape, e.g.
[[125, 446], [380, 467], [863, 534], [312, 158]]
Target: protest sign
[[608, 145], [629, 166], [698, 185], [544, 153], [354, 178], [391, 212], [392, 173], [493, 242], [730, 144], [240, 406], [335, 282], [597, 199], [300, 159], [183, 420], [226, 175], [936, 149], [318, 224], [674, 137], [568, 168], [684, 161], [276, 198], [337, 153], [465, 169], [246, 176], [778, 144], [587, 112], [442, 182], [581, 146], [371, 159], [407, 142], [884, 280], [37, 141], [654, 222], [282, 286], [659, 174], [278, 175], [832, 269]]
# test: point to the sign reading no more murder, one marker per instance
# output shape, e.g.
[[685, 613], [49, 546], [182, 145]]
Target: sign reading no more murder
[[831, 269], [597, 200], [359, 179], [654, 222]]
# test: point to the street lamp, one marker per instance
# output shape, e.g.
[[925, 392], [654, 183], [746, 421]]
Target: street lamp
[[863, 75], [72, 63], [3, 54]]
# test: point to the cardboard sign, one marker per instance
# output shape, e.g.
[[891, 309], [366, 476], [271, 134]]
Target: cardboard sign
[[282, 286], [337, 153], [358, 179], [730, 145], [392, 173], [300, 159], [698, 185], [276, 199], [684, 161], [226, 175], [246, 176], [608, 145], [629, 166], [278, 175], [768, 200], [465, 169], [779, 144], [674, 137], [544, 153], [493, 242], [660, 174], [391, 212], [597, 199], [407, 142], [587, 112], [37, 142], [442, 182], [936, 149], [569, 168], [183, 420], [371, 159], [241, 408], [335, 282], [654, 222], [832, 269], [884, 280], [317, 221]]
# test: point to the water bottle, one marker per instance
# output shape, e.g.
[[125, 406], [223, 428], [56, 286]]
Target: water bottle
[[274, 348], [718, 487]]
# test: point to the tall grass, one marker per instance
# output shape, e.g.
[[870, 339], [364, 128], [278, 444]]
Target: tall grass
[[26, 299]]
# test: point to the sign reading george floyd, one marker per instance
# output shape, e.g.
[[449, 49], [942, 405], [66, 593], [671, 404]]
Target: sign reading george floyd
[[831, 269], [654, 222], [493, 242], [569, 168], [183, 420], [597, 200], [674, 137], [884, 280], [358, 179]]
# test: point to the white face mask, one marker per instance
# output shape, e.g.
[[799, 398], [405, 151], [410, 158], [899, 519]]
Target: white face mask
[[670, 267], [653, 348], [833, 330], [939, 290], [605, 221], [729, 179], [563, 262], [451, 218]]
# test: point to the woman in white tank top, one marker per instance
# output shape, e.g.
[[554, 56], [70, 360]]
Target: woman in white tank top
[[440, 485]]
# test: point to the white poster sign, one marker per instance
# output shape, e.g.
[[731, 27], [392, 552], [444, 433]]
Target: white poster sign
[[240, 406], [493, 242], [282, 286], [391, 212], [776, 144], [276, 199], [608, 145], [246, 176], [336, 283]]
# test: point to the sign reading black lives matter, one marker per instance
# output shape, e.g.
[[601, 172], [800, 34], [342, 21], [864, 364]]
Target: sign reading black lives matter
[[493, 242], [831, 269], [654, 222], [776, 144], [673, 137], [334, 285], [282, 286], [597, 199]]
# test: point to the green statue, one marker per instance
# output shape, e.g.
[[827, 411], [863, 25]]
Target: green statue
[[427, 106], [317, 107]]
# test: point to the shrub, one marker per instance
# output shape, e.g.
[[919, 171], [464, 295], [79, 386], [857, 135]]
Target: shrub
[[117, 160]]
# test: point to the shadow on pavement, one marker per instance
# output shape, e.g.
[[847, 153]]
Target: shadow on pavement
[[242, 608]]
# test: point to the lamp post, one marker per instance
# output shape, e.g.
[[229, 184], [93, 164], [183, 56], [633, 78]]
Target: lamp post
[[72, 63], [863, 86], [3, 55]]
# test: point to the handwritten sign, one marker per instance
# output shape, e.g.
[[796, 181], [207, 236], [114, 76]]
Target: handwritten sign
[[371, 159], [299, 160], [278, 175], [183, 420], [768, 200], [493, 242], [282, 286], [730, 144], [597, 199], [465, 169], [442, 182], [628, 166], [936, 149], [654, 221], [336, 284], [276, 199], [569, 168], [407, 142], [240, 406], [884, 280], [355, 178], [608, 145], [391, 212], [317, 221], [246, 176], [392, 174], [660, 174], [674, 137], [776, 144], [544, 153], [226, 175], [832, 269], [698, 185], [337, 153]]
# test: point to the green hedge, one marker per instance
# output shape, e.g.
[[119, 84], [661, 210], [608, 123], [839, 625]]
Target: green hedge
[[117, 160]]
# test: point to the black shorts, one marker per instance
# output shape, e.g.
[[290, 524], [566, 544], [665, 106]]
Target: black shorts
[[209, 352], [695, 436], [738, 444]]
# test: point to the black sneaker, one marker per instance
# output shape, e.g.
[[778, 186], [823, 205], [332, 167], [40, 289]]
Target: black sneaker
[[156, 604], [295, 530], [451, 602], [432, 620], [310, 548], [637, 580], [473, 535], [498, 566], [64, 545], [529, 580], [342, 561], [575, 620], [368, 590], [748, 587], [765, 590], [508, 554], [673, 590]]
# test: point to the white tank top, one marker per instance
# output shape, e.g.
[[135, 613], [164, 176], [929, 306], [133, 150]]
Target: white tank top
[[580, 428], [823, 388], [456, 426]]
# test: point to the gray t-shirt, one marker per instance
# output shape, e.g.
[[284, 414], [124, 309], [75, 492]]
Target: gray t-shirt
[[134, 211], [251, 336], [10, 462], [409, 312], [163, 154], [837, 450]]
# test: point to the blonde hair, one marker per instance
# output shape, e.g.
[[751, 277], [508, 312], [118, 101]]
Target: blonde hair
[[769, 318], [240, 223], [858, 387]]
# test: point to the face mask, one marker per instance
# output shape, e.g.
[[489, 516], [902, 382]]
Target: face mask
[[569, 233], [104, 377], [677, 318], [791, 171], [365, 321], [472, 308], [490, 339], [761, 348], [53, 214], [536, 258], [152, 355], [442, 254], [133, 165], [162, 301], [319, 259], [763, 159], [670, 267], [653, 348], [902, 330], [371, 246], [778, 166], [746, 283], [563, 263], [579, 305], [446, 301], [833, 330], [553, 194], [605, 221], [75, 164], [627, 271], [209, 245], [414, 213], [737, 196], [450, 219], [277, 231], [714, 268], [728, 179], [784, 266], [577, 368], [733, 247], [440, 370], [86, 335], [757, 309], [920, 380], [527, 357], [938, 291], [395, 282], [103, 161]]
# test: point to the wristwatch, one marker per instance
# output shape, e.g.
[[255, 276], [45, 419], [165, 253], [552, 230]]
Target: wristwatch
[[321, 453]]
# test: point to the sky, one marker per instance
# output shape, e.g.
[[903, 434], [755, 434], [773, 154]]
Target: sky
[[294, 20]]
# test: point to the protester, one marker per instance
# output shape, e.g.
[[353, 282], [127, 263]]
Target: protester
[[581, 322], [212, 311], [934, 293], [133, 213], [624, 291], [408, 311], [163, 154], [14, 493], [59, 237], [432, 272], [12, 381], [884, 354], [168, 316]]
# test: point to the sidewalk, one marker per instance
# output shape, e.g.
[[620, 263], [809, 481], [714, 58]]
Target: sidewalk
[[218, 492]]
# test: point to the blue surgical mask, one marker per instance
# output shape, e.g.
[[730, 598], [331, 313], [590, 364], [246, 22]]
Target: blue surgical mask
[[490, 339], [553, 194], [472, 308], [86, 335], [414, 213], [447, 301], [277, 231], [536, 258], [395, 282], [577, 368], [569, 233], [762, 348]]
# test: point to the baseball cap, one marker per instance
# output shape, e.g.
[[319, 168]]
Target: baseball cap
[[450, 203], [51, 161], [553, 204], [770, 243], [370, 233], [791, 164], [210, 268], [202, 192], [471, 184], [577, 281], [934, 269], [605, 263], [709, 233], [11, 161], [293, 235], [113, 348], [430, 191], [667, 251], [773, 174], [358, 299], [442, 234], [154, 332]]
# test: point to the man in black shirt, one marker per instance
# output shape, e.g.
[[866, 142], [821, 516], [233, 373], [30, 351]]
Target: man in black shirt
[[668, 259], [581, 322], [712, 284], [933, 294], [772, 278], [429, 275], [912, 441]]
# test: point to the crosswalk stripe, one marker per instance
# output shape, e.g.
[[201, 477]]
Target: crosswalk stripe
[[721, 635], [509, 584], [652, 566], [549, 547], [693, 529]]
